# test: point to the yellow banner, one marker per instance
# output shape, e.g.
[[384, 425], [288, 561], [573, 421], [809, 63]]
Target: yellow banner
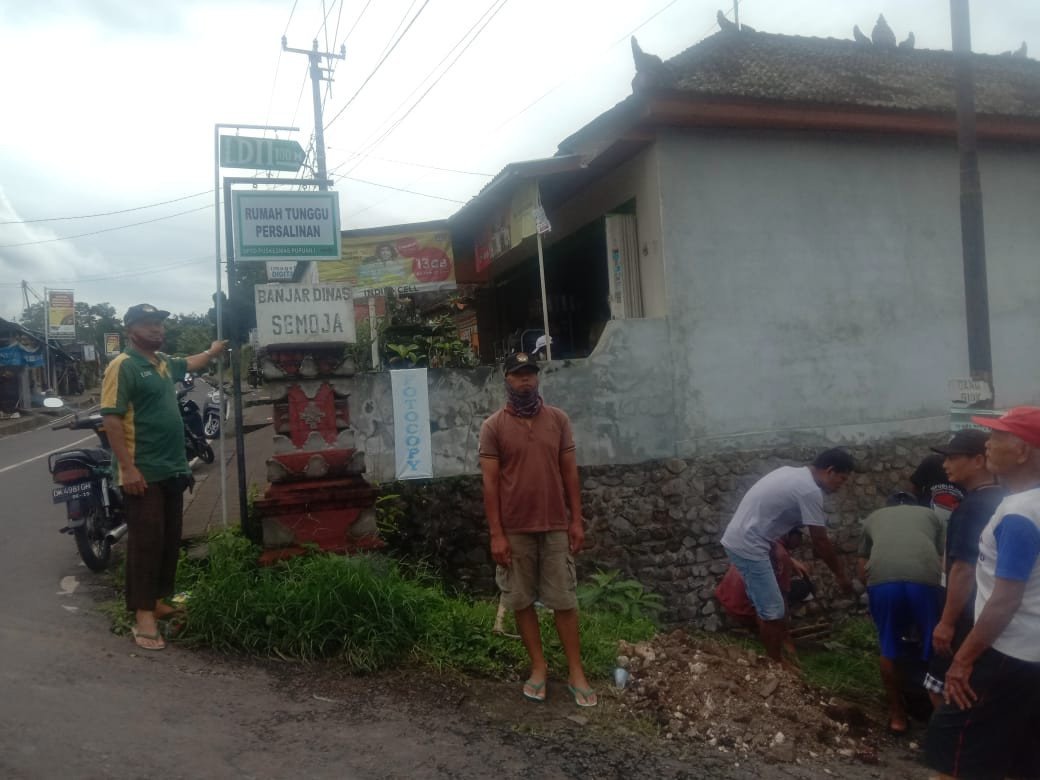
[[112, 344], [408, 262], [509, 226], [61, 316]]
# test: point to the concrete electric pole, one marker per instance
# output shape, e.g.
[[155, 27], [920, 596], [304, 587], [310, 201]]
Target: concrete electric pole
[[317, 76]]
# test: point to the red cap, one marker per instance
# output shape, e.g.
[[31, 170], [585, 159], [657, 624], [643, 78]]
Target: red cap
[[1022, 421]]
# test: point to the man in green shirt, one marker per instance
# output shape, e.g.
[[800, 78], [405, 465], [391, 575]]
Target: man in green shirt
[[146, 433], [900, 559]]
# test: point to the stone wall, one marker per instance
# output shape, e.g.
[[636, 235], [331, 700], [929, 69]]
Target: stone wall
[[658, 522]]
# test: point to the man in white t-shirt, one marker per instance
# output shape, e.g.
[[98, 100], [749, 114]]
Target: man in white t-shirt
[[990, 723], [782, 500]]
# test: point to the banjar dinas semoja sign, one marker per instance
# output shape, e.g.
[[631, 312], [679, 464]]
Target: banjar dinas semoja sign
[[304, 314]]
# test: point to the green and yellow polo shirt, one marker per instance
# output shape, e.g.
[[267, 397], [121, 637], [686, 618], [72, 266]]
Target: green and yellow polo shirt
[[143, 393]]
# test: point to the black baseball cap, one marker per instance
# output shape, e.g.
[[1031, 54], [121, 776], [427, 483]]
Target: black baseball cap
[[970, 441], [143, 311], [518, 361]]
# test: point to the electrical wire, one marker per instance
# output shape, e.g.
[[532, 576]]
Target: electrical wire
[[105, 230], [419, 165], [107, 213], [401, 189], [379, 64], [154, 269], [356, 22], [482, 22]]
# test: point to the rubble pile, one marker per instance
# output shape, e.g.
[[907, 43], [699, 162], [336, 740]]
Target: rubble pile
[[733, 698]]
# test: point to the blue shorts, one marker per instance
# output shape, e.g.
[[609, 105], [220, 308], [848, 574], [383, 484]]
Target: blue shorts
[[762, 587], [897, 607]]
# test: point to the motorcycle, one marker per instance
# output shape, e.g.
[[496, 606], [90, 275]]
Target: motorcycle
[[93, 503], [215, 412], [195, 443]]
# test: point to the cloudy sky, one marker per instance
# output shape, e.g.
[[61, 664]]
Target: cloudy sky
[[110, 106]]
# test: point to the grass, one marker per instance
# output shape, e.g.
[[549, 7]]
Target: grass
[[847, 665], [367, 611]]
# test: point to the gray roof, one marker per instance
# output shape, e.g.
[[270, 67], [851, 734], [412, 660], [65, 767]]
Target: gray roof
[[765, 66]]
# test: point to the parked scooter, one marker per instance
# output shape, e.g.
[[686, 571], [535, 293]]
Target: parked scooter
[[215, 412], [195, 444], [93, 503]]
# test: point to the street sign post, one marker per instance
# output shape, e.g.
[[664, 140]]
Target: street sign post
[[264, 154], [285, 225]]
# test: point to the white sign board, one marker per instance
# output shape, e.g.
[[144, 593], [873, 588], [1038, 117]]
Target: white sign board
[[969, 391], [413, 455], [286, 225], [304, 313], [281, 272]]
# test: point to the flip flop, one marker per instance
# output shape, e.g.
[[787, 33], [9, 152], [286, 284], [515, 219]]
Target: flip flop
[[587, 696], [537, 691], [141, 637]]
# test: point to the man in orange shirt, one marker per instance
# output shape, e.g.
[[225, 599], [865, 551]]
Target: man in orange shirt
[[532, 499]]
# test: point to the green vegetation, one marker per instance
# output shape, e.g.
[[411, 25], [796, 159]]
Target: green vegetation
[[369, 612], [847, 665], [608, 592]]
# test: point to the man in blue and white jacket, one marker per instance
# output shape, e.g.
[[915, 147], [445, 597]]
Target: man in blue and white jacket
[[990, 723]]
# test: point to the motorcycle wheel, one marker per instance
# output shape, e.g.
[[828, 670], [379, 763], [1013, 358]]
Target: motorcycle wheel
[[94, 548], [212, 426], [206, 454]]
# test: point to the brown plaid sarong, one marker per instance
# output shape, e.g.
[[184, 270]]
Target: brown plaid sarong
[[153, 542]]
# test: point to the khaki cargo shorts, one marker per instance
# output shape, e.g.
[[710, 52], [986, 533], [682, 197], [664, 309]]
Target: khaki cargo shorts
[[542, 570]]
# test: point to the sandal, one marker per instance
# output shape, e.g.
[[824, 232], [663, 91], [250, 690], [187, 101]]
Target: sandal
[[148, 641], [583, 697], [537, 690]]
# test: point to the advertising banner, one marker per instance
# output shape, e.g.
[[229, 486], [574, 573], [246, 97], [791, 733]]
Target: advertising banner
[[413, 454], [408, 262], [61, 315], [511, 225], [304, 314], [285, 225], [112, 344]]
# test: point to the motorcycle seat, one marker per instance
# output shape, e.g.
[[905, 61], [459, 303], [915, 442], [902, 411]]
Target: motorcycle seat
[[95, 456]]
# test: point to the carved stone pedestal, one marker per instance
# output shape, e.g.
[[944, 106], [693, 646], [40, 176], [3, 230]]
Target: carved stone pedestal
[[317, 493]]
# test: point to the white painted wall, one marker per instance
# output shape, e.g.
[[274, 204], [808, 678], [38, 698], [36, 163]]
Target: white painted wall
[[636, 178], [815, 283]]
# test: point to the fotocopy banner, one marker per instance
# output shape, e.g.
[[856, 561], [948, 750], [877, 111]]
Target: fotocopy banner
[[414, 457], [61, 315]]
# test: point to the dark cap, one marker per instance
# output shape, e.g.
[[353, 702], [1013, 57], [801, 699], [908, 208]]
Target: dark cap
[[518, 361], [970, 441], [1022, 421], [143, 311]]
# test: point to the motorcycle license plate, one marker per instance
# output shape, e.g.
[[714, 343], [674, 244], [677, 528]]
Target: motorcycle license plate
[[66, 493]]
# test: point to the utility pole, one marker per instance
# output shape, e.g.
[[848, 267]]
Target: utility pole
[[973, 240], [317, 76]]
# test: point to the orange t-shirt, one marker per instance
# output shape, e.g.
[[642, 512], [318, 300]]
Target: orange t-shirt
[[528, 449]]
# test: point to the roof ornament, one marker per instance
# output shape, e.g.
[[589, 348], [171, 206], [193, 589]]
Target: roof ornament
[[860, 37], [725, 24], [909, 42], [651, 72], [882, 34]]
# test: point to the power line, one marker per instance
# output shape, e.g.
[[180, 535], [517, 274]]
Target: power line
[[482, 22], [356, 22], [419, 165], [400, 189], [154, 269], [105, 230], [107, 213], [378, 64]]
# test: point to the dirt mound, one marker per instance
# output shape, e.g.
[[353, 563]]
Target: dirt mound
[[735, 699]]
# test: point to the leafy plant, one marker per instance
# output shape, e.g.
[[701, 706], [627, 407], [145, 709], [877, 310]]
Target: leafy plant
[[390, 510], [608, 592]]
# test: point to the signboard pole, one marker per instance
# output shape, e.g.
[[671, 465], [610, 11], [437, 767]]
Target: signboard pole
[[218, 298], [47, 362], [236, 373], [545, 303]]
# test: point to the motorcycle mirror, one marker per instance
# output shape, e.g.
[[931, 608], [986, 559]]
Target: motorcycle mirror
[[53, 403]]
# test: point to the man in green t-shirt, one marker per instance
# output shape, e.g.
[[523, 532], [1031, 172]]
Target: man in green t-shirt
[[146, 433], [900, 559]]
